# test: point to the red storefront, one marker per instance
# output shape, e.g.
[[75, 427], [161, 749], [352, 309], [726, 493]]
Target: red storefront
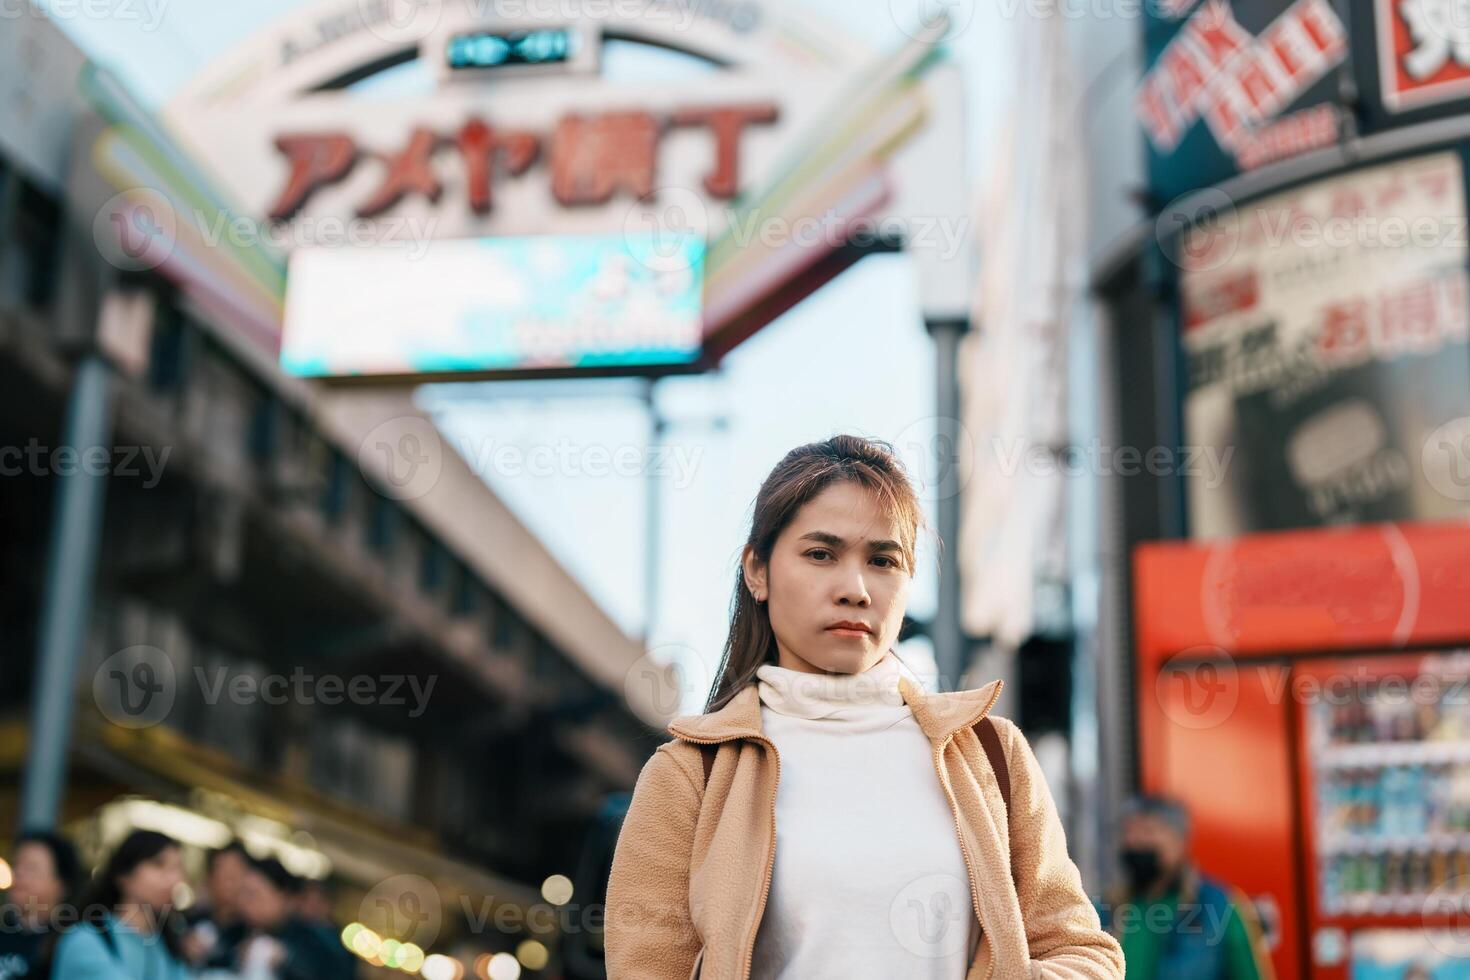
[[1307, 693]]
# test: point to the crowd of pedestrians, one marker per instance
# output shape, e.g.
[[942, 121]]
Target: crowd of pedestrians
[[255, 919]]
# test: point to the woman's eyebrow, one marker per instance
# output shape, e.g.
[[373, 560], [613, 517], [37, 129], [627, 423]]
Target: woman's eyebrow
[[837, 541]]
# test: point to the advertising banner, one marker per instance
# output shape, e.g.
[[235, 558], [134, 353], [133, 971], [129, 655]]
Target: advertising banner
[[1421, 66], [1232, 86], [1324, 331], [502, 304]]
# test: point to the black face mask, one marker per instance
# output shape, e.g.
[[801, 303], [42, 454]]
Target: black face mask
[[1142, 866]]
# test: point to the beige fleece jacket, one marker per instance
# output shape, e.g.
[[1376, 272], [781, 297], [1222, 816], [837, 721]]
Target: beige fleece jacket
[[692, 868]]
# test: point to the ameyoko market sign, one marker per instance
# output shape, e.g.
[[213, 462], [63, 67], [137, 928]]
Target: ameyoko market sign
[[560, 214], [519, 133], [590, 157]]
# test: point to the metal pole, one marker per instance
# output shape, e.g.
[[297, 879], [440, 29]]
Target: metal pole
[[66, 601], [947, 633], [652, 495]]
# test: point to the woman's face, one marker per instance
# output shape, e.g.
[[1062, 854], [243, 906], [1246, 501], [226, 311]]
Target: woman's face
[[36, 885], [838, 559], [153, 881]]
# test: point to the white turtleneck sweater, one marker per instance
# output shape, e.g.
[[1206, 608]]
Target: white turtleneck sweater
[[869, 879]]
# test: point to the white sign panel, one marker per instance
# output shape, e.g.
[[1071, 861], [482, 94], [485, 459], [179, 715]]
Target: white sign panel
[[1325, 334]]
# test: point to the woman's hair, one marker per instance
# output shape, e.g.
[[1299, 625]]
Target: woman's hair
[[105, 893], [800, 476]]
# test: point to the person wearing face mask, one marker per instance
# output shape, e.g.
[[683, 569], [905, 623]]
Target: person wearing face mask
[[1171, 920]]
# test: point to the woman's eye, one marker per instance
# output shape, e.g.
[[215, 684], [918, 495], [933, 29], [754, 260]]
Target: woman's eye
[[817, 551], [890, 561]]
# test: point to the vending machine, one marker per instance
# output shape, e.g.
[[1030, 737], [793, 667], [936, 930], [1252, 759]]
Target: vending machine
[[1307, 695]]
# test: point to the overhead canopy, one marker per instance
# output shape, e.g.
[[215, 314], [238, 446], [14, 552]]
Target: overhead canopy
[[788, 147]]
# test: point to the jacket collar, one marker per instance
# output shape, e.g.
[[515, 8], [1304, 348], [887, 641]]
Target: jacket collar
[[939, 713]]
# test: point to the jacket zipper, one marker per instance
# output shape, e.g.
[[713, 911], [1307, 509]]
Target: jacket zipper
[[964, 848], [770, 856], [955, 812]]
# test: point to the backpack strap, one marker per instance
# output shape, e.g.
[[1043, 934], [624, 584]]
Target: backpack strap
[[990, 740], [707, 757]]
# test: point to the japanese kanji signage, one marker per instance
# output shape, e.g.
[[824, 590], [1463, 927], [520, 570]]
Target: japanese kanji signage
[[1423, 52], [591, 157], [1234, 86], [561, 151], [1325, 333]]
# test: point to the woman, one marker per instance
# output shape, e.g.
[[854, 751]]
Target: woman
[[46, 872], [825, 815], [129, 928]]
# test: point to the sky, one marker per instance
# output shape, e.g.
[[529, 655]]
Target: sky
[[853, 358]]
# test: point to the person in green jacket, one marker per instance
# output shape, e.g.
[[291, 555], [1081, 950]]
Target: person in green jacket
[[1173, 922]]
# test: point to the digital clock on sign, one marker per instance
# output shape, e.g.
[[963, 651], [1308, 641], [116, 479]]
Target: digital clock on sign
[[492, 49]]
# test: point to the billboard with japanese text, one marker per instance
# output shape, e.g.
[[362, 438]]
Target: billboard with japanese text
[[1231, 86], [1326, 337]]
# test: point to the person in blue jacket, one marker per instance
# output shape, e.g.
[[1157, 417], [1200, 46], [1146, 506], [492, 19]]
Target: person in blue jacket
[[128, 929]]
